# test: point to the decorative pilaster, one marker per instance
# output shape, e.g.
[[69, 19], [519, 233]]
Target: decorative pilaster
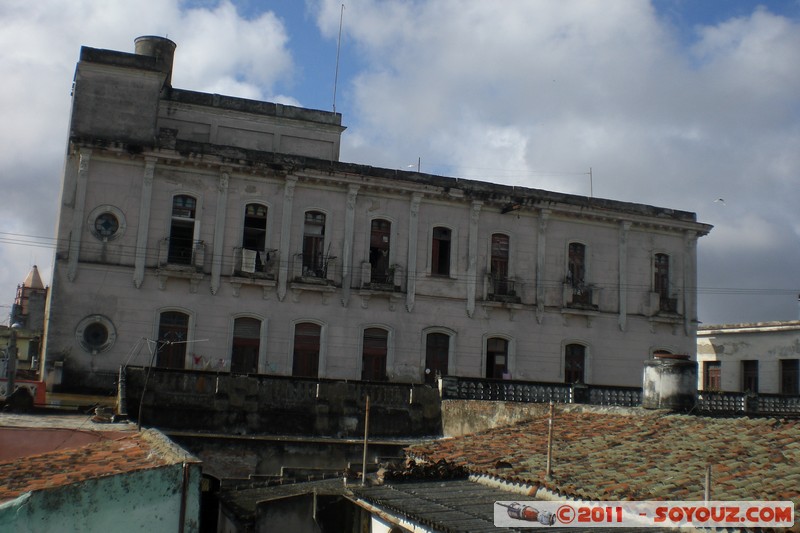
[[286, 227], [624, 229], [689, 280], [347, 249], [472, 260], [413, 235], [541, 251], [79, 213], [145, 200], [219, 228]]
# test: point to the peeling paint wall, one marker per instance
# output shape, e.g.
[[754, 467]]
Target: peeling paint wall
[[147, 500], [766, 343]]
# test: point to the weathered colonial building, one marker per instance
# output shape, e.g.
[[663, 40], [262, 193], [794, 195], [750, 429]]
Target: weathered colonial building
[[209, 232], [762, 357]]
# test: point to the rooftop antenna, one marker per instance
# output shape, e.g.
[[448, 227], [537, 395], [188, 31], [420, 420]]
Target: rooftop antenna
[[591, 185], [338, 49]]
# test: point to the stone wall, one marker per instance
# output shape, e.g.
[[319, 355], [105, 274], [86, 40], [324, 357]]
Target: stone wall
[[273, 405]]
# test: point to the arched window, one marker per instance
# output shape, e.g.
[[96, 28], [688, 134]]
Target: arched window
[[245, 345], [181, 231], [496, 358], [173, 334], [374, 353], [305, 361]]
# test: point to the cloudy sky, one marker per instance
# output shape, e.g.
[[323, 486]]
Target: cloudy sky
[[674, 103]]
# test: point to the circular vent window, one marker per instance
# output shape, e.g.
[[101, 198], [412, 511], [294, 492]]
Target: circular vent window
[[106, 222], [96, 333]]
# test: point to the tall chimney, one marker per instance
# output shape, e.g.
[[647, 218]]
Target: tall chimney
[[162, 49]]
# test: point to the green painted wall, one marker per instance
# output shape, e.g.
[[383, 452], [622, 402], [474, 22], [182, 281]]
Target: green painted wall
[[148, 500]]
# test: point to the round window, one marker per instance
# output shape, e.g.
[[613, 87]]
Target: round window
[[96, 333], [106, 222], [106, 225]]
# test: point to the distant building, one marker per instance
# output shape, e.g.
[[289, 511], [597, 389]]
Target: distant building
[[26, 329], [200, 231], [763, 357]]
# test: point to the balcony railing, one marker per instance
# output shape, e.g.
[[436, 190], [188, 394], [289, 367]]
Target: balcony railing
[[181, 254], [313, 266], [460, 388], [501, 289], [254, 263], [581, 296]]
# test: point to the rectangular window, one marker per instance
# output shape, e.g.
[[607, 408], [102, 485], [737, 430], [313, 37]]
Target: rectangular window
[[314, 264], [305, 362], [496, 358], [574, 363], [379, 243], [712, 376], [576, 267], [750, 376], [499, 265], [181, 231], [661, 284], [437, 350], [440, 252], [173, 333], [246, 342], [375, 350], [790, 376]]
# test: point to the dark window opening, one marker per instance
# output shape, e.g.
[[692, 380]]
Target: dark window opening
[[245, 346], [576, 266], [712, 376], [305, 362], [314, 261], [254, 236], [376, 347], [750, 376], [95, 335], [661, 284], [790, 376], [440, 252], [379, 242], [496, 358], [574, 363], [437, 350], [181, 233], [501, 285], [173, 332]]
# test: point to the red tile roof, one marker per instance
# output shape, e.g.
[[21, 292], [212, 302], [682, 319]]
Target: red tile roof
[[642, 456], [139, 451]]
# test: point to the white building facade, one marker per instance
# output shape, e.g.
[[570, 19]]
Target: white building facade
[[206, 232], [760, 357]]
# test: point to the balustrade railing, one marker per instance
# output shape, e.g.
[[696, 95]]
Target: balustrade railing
[[461, 388]]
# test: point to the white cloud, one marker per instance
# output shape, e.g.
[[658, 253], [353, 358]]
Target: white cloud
[[218, 50], [577, 84]]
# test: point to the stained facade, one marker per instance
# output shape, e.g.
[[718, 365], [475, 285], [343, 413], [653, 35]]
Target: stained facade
[[200, 231]]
